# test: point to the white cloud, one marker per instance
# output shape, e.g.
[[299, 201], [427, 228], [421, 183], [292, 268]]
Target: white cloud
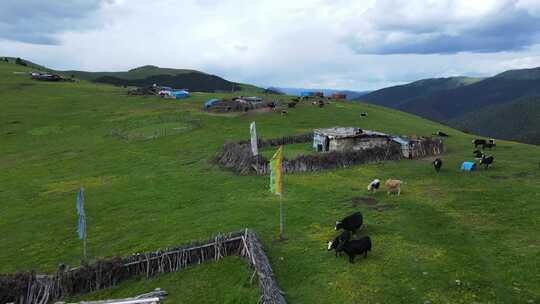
[[340, 44]]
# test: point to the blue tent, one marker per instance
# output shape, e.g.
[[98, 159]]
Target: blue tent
[[468, 166], [210, 103], [179, 94]]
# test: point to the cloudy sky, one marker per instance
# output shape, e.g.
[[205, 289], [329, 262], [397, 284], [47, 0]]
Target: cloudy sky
[[347, 44]]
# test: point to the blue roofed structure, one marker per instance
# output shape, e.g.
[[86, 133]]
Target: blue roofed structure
[[210, 103], [179, 94]]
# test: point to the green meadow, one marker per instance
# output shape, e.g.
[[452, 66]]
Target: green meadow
[[145, 164]]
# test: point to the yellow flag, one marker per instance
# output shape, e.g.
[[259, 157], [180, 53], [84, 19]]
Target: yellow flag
[[275, 171]]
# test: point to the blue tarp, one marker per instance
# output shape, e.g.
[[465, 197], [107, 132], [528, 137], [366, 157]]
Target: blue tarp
[[210, 103], [468, 166], [180, 94]]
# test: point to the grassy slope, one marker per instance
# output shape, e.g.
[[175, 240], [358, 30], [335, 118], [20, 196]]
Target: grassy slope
[[481, 228]]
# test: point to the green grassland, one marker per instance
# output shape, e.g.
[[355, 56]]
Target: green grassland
[[160, 189]]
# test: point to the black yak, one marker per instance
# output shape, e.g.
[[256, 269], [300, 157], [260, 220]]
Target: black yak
[[479, 142], [437, 164], [338, 242], [356, 247], [351, 223], [441, 134], [486, 161]]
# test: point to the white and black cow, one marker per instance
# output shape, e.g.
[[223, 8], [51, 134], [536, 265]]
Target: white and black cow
[[490, 143], [437, 164], [487, 161], [357, 247], [374, 185], [351, 223], [339, 241], [479, 142]]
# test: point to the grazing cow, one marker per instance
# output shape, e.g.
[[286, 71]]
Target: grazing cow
[[478, 154], [321, 103], [363, 114], [486, 161], [437, 164], [393, 185], [356, 247], [291, 104], [351, 223], [339, 241], [441, 134], [490, 143], [479, 142], [374, 185]]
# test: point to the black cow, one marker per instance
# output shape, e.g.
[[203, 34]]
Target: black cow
[[357, 247], [478, 154], [437, 164], [441, 134], [351, 223], [479, 142], [291, 104], [490, 143], [486, 161], [363, 114], [339, 241]]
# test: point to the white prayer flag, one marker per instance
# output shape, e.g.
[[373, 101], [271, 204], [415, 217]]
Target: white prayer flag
[[253, 131]]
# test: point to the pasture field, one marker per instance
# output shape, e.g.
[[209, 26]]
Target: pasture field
[[149, 183]]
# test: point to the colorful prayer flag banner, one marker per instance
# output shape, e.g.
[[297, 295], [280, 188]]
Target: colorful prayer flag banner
[[275, 171]]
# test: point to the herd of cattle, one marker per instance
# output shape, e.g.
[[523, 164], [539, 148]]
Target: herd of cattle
[[344, 243], [352, 223]]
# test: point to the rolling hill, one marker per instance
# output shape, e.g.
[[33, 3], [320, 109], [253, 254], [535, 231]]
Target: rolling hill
[[396, 96], [148, 75], [521, 119], [451, 237], [450, 104]]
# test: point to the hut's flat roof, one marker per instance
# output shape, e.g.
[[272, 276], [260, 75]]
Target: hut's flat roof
[[344, 132]]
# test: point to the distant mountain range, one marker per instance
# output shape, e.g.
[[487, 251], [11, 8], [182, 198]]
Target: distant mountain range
[[503, 106], [351, 95], [147, 75]]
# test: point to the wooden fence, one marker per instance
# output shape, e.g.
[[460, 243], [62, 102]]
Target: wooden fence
[[237, 156], [32, 288]]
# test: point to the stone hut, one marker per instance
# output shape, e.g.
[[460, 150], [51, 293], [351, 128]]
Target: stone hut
[[348, 139]]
